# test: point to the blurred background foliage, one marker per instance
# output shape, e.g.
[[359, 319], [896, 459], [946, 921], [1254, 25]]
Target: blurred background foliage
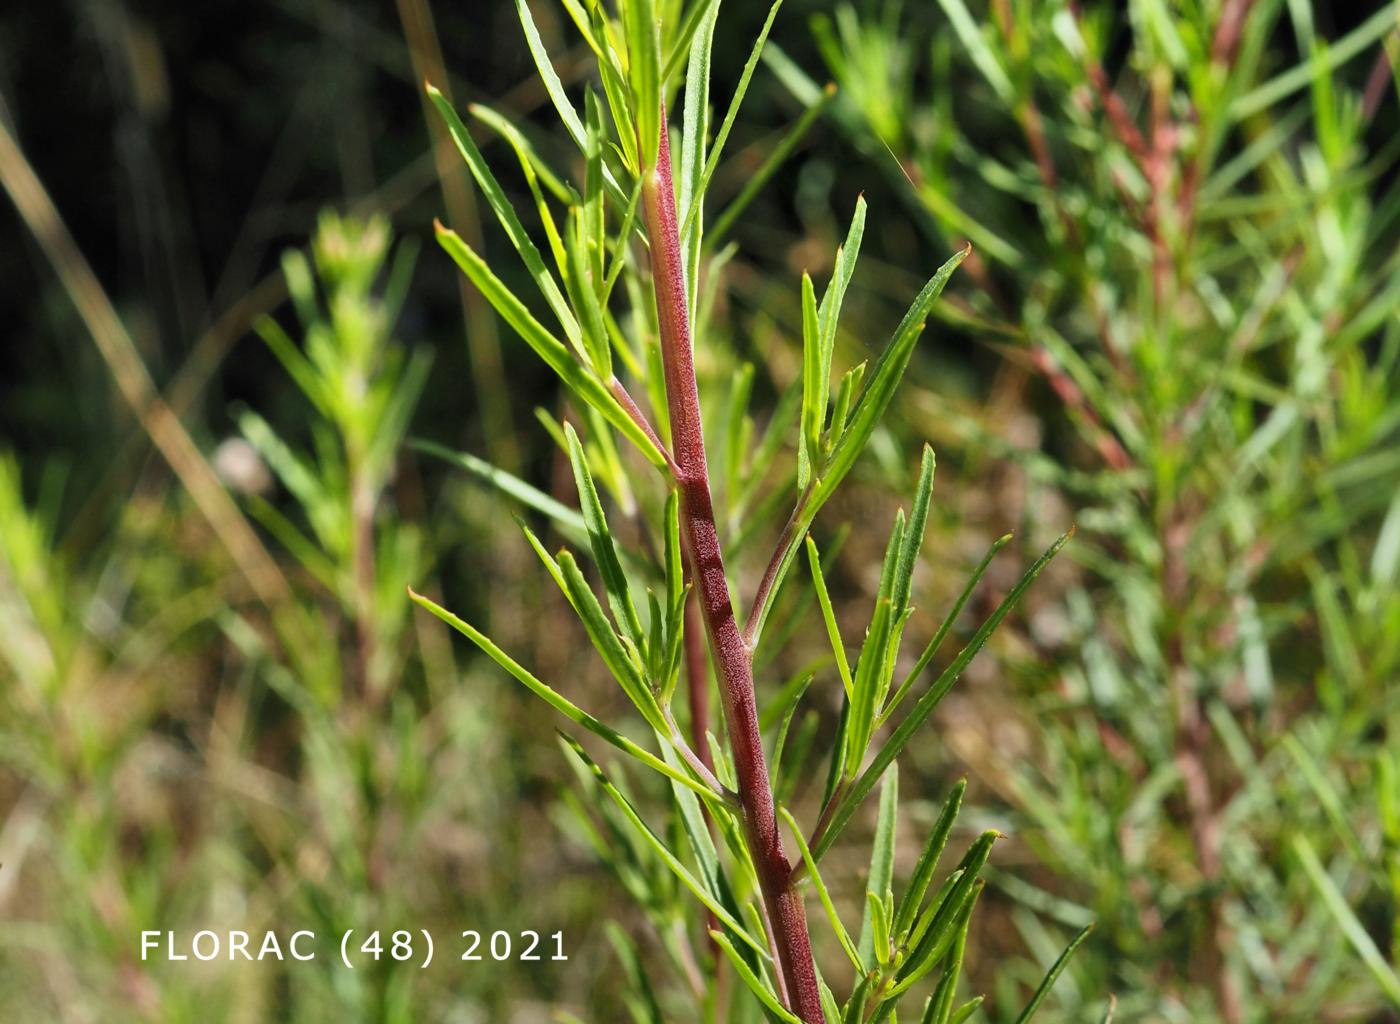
[[1179, 330]]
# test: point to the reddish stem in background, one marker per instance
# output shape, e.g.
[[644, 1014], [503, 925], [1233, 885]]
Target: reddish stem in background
[[795, 966]]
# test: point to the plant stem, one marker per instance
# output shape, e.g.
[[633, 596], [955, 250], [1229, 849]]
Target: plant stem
[[782, 901]]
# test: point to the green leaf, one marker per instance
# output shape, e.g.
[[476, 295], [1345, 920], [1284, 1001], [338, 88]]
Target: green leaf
[[928, 862], [857, 793], [552, 84], [926, 656], [881, 874], [535, 171], [293, 361], [644, 75], [833, 632], [913, 535], [823, 894], [765, 995], [776, 158], [581, 285], [869, 408], [505, 213], [562, 704], [1056, 969], [600, 540], [884, 378], [568, 521], [1301, 75], [948, 982], [936, 932], [546, 346], [682, 43], [1347, 920], [692, 211], [835, 295], [780, 741], [981, 54], [813, 393], [664, 852], [694, 134], [620, 661], [860, 726], [845, 394]]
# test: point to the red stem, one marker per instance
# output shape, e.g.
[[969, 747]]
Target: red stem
[[797, 971]]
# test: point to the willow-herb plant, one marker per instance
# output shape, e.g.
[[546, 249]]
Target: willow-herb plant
[[637, 219]]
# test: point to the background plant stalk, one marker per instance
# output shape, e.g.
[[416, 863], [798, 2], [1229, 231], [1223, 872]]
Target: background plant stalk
[[787, 917]]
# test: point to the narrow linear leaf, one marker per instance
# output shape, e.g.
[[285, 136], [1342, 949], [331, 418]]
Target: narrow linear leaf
[[914, 534], [644, 75], [722, 137], [1347, 920], [505, 213], [833, 632], [881, 874], [562, 704], [600, 540], [549, 348], [776, 158], [926, 656], [928, 861], [664, 852], [857, 793], [813, 391], [1056, 969], [765, 995]]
